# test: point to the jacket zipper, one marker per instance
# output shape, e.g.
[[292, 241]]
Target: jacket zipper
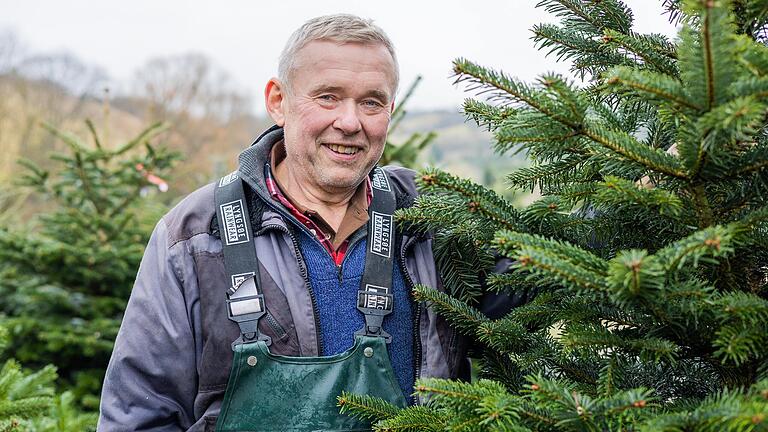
[[276, 327], [305, 277], [416, 317], [303, 268]]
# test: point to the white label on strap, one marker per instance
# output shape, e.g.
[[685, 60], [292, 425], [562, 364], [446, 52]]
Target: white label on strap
[[235, 225], [381, 243], [380, 180], [238, 279], [227, 179]]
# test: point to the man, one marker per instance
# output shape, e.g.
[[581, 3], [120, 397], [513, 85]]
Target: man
[[264, 295]]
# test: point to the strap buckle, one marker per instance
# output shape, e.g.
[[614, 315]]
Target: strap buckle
[[246, 312], [375, 302]]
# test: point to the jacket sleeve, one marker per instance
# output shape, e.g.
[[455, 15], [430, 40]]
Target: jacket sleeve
[[151, 380]]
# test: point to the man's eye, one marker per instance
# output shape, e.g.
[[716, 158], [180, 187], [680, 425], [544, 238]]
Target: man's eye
[[372, 104], [326, 98]]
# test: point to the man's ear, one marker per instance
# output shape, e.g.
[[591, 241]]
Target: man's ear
[[274, 97]]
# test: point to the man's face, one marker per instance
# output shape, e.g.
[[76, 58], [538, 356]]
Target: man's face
[[336, 112]]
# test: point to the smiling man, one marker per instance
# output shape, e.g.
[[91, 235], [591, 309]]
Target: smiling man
[[264, 295]]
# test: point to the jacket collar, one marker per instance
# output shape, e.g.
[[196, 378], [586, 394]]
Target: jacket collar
[[253, 158]]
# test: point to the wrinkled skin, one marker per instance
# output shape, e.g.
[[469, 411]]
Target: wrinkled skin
[[339, 94]]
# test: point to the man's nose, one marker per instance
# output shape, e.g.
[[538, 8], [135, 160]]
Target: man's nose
[[347, 118]]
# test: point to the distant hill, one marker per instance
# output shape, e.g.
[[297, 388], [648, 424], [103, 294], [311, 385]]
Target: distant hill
[[460, 147]]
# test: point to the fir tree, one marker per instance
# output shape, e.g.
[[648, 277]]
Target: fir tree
[[66, 276], [648, 251], [28, 402], [22, 396]]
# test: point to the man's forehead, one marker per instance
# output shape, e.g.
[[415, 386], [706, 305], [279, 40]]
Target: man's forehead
[[365, 59]]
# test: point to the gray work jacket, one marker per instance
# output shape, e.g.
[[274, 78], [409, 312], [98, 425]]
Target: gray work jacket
[[172, 356]]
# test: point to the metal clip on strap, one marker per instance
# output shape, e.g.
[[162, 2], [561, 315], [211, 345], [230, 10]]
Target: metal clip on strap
[[374, 305], [246, 312], [245, 306], [375, 299]]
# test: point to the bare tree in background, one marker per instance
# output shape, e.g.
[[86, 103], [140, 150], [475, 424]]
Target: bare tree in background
[[52, 87], [10, 51], [210, 114], [66, 76], [189, 85]]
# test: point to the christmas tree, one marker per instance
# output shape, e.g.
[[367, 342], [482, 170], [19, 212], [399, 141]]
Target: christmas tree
[[65, 277], [647, 252], [28, 402]]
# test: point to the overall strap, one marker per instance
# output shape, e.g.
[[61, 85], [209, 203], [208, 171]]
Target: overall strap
[[245, 303], [375, 299]]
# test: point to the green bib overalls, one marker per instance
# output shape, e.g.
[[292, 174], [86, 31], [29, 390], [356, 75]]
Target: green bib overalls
[[267, 392]]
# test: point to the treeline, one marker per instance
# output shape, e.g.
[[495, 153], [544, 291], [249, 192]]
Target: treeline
[[210, 117]]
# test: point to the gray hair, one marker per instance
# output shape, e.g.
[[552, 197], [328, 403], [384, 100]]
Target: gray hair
[[340, 28]]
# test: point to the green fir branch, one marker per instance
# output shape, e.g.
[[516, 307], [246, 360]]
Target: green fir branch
[[588, 55], [625, 195], [143, 137], [706, 29], [478, 199], [594, 16], [626, 145], [413, 419], [366, 407], [486, 115], [545, 135], [542, 175], [738, 343], [462, 258], [754, 161], [504, 335], [94, 134], [633, 274], [607, 381], [504, 88], [705, 245], [654, 55], [654, 85], [592, 337], [510, 242], [462, 316]]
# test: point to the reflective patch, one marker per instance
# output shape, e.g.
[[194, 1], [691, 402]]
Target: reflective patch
[[252, 305], [235, 226], [381, 243]]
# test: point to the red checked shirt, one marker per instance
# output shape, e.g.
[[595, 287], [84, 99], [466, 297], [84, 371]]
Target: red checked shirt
[[335, 242]]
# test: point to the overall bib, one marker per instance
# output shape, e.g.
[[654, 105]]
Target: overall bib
[[267, 392]]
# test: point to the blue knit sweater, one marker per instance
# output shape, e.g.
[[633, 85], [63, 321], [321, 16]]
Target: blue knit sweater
[[337, 306]]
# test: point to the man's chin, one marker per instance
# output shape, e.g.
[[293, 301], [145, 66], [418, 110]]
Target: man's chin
[[341, 180]]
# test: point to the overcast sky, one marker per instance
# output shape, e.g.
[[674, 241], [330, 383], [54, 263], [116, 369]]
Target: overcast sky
[[245, 37]]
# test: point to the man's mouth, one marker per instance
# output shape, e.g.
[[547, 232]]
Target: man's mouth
[[342, 149]]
